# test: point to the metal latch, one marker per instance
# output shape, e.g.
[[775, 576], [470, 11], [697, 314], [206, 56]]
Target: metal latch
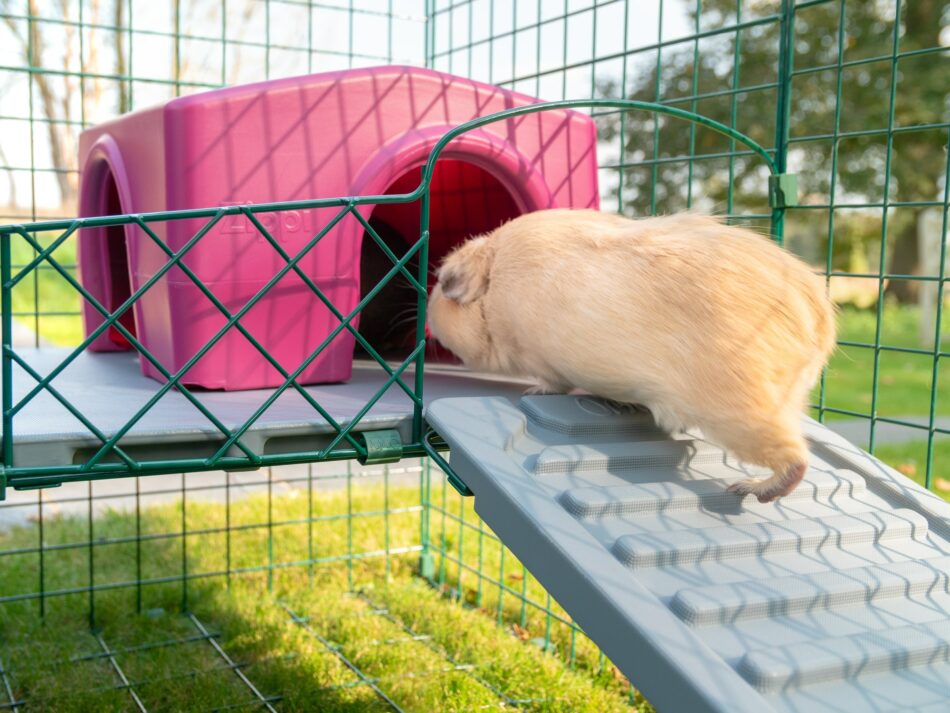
[[381, 446], [783, 190]]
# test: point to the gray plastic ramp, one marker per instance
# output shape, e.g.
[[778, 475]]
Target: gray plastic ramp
[[835, 598]]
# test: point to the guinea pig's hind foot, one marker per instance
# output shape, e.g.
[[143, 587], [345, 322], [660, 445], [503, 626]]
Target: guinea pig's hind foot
[[769, 489]]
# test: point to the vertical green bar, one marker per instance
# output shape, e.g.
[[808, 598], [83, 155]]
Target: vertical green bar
[[593, 53], [931, 432], [138, 545], [184, 545], [131, 104], [310, 523], [786, 56], [734, 112], [418, 424], [267, 39], [882, 264], [537, 45], [270, 529], [451, 15], [176, 9], [524, 596], [623, 114], [547, 624], [389, 32], [7, 337], [573, 651], [309, 37], [426, 561], [31, 65], [349, 525], [349, 49], [224, 41], [481, 562], [514, 43], [227, 527], [655, 166], [92, 559], [443, 542], [833, 187], [501, 583], [694, 89], [427, 34], [461, 555], [564, 53], [41, 537], [386, 546]]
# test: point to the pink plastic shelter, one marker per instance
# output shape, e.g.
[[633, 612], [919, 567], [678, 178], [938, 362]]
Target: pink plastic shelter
[[356, 132]]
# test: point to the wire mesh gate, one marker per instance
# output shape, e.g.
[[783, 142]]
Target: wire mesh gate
[[759, 68]]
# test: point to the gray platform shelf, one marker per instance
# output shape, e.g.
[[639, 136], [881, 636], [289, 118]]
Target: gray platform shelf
[[835, 598], [108, 388]]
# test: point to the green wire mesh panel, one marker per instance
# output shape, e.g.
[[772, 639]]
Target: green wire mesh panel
[[65, 66], [344, 443], [850, 96]]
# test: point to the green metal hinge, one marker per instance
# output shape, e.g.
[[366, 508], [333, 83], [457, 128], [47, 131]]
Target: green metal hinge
[[783, 190], [381, 446]]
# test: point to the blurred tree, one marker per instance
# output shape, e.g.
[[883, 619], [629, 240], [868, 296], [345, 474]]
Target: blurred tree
[[56, 99], [45, 34], [919, 159]]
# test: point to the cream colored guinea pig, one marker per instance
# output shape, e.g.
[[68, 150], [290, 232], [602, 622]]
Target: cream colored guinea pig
[[705, 324]]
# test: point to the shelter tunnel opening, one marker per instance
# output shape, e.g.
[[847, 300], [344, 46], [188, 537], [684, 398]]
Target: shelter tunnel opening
[[466, 200], [101, 197]]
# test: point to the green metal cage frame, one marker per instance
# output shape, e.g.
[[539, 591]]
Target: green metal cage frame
[[68, 570], [354, 445]]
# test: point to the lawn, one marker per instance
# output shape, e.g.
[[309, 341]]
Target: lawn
[[46, 293], [419, 642], [910, 458], [478, 634], [483, 634], [904, 379]]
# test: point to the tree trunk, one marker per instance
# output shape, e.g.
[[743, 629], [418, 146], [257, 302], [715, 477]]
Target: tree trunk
[[120, 65], [905, 260]]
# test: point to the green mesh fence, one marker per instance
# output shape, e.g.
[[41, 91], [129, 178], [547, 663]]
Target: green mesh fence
[[848, 96]]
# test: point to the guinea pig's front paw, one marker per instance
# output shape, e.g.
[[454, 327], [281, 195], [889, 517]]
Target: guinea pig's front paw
[[763, 490]]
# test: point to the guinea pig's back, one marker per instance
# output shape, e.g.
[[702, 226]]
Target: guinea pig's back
[[677, 302]]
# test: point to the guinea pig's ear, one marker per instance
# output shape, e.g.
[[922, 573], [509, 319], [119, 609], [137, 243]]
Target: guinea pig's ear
[[464, 274]]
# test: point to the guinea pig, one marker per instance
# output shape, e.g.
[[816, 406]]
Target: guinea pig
[[705, 324]]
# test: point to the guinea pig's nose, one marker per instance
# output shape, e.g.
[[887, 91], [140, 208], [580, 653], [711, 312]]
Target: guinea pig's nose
[[427, 331]]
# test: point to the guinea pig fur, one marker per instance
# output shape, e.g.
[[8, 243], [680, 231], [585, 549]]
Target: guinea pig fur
[[707, 325]]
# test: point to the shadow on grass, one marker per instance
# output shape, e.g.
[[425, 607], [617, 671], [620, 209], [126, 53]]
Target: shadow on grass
[[294, 631]]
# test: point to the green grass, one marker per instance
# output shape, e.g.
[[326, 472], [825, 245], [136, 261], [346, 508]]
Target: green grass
[[45, 292], [911, 459], [904, 380], [425, 646]]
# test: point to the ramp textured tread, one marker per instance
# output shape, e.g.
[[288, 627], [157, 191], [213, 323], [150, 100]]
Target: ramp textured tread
[[835, 598]]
